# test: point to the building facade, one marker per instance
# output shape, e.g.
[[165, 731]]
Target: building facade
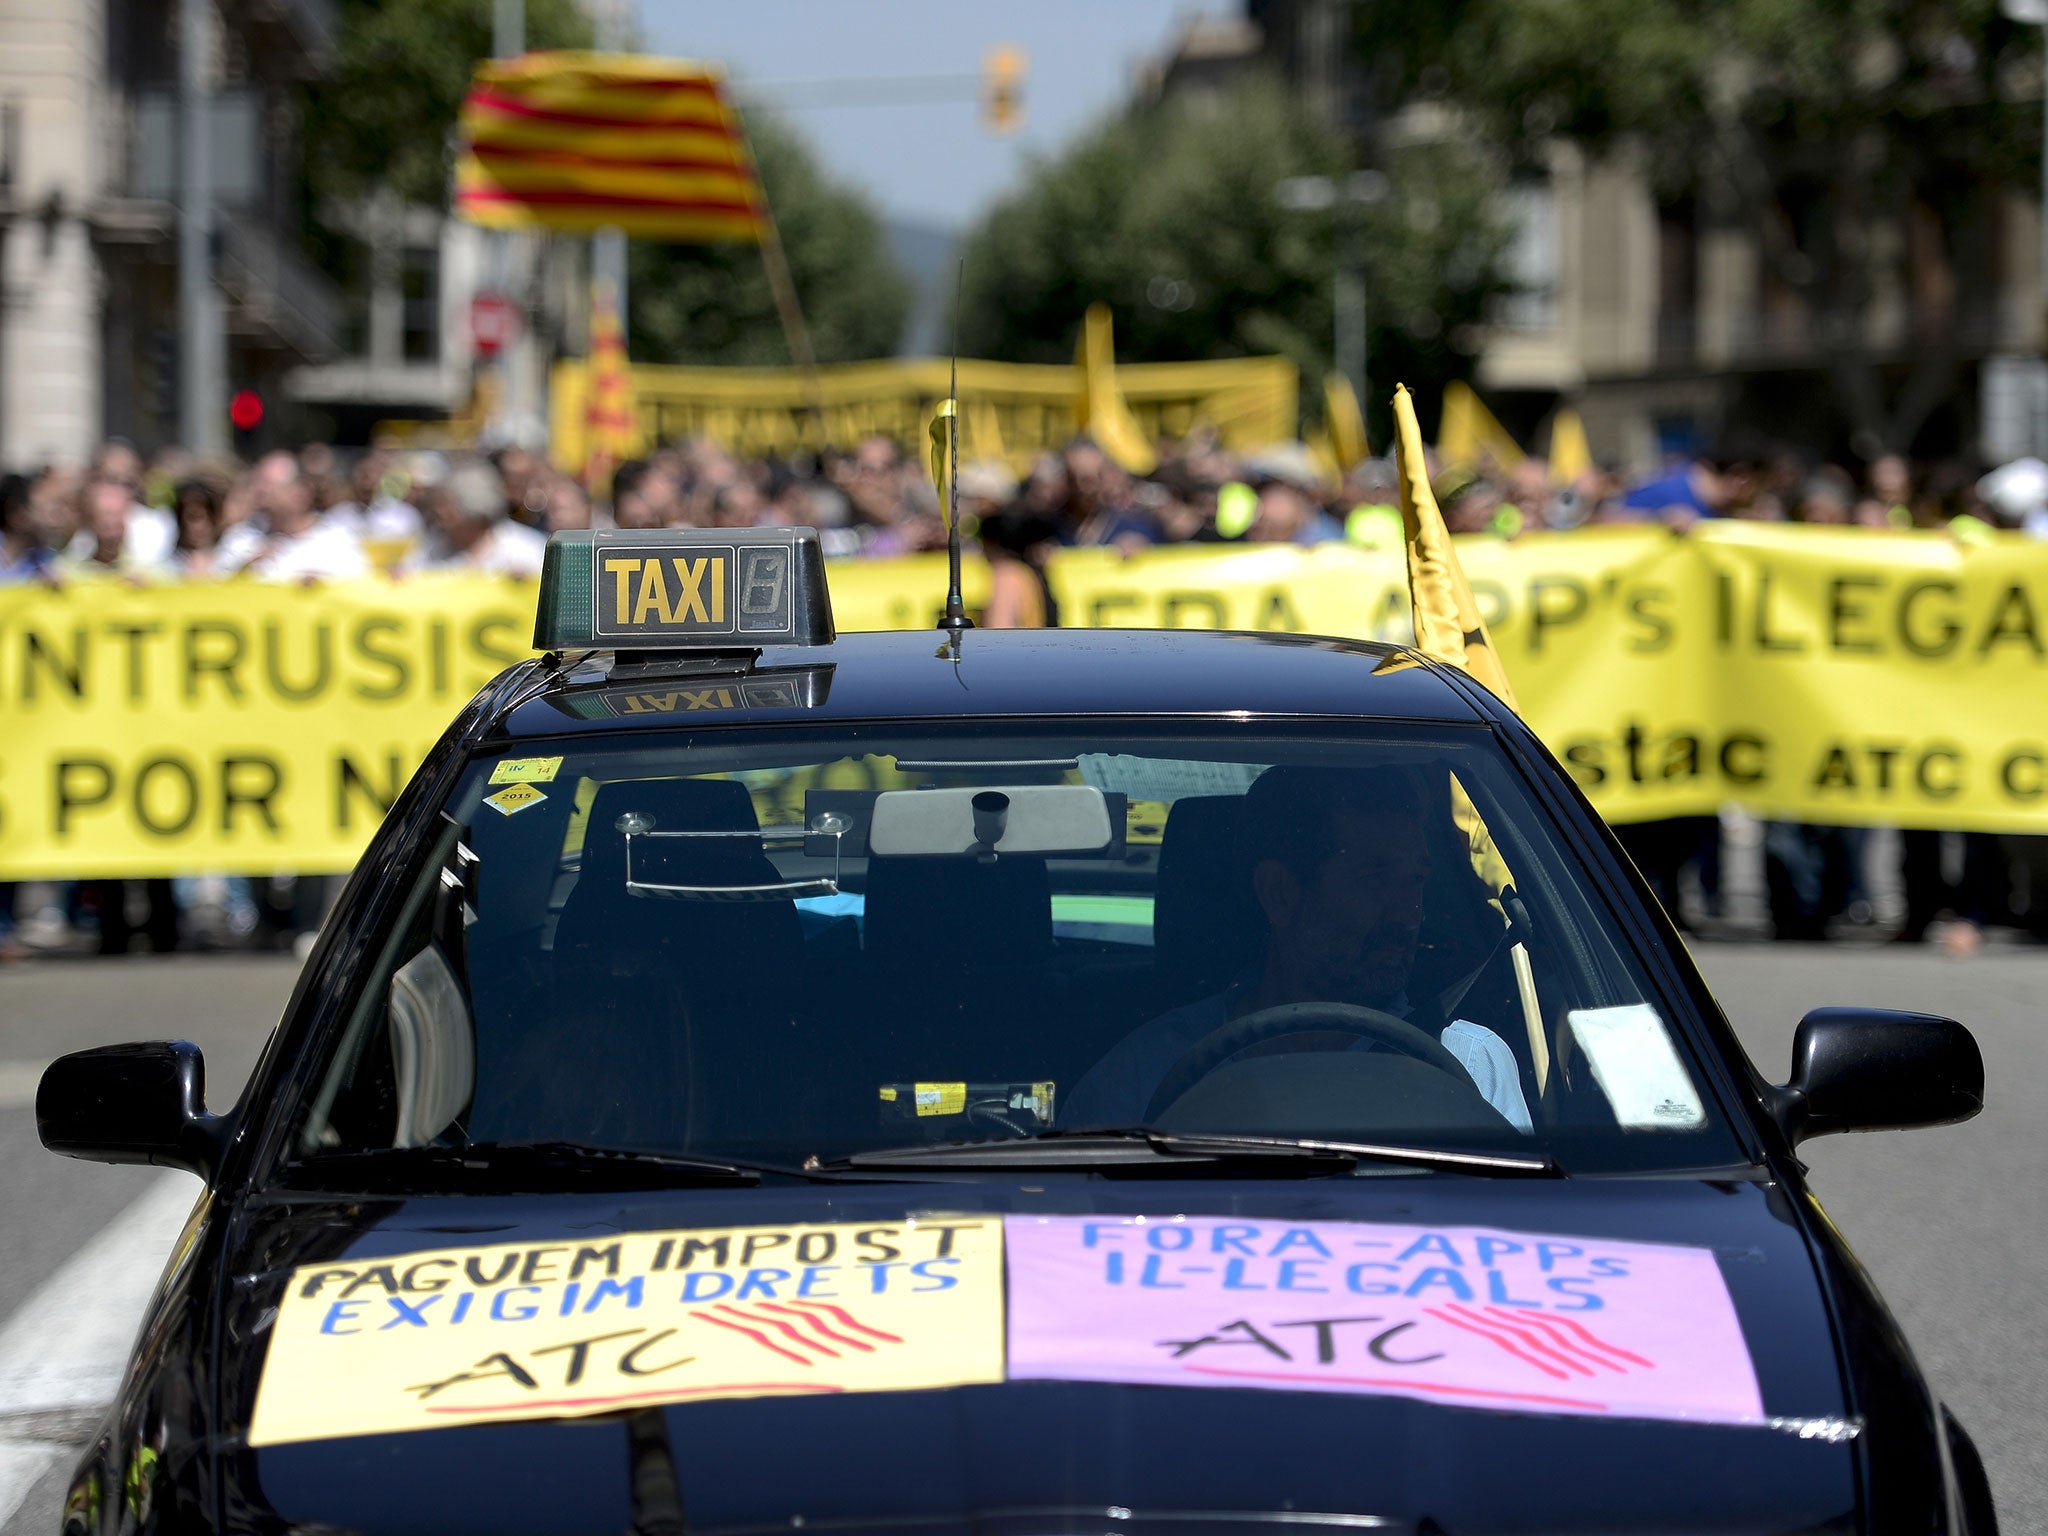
[[1668, 325], [89, 214]]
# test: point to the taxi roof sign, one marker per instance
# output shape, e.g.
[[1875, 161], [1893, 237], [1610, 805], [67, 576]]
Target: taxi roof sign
[[683, 589]]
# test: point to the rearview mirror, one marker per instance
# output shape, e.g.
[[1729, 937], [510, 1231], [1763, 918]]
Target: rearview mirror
[[143, 1103], [1875, 1069], [990, 821]]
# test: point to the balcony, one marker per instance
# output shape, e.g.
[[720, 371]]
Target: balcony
[[276, 289], [1790, 335]]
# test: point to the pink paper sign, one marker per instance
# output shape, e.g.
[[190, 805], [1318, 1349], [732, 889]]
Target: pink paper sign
[[1461, 1315]]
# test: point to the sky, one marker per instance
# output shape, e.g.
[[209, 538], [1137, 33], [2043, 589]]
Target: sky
[[926, 162]]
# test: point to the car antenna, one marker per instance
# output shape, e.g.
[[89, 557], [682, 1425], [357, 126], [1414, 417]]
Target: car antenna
[[956, 620]]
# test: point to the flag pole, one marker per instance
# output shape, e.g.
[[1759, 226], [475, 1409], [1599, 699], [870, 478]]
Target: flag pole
[[787, 307]]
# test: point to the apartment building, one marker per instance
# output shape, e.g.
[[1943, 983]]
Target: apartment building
[[89, 219], [1666, 324]]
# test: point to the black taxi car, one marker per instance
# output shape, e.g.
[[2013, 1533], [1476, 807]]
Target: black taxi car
[[759, 1081]]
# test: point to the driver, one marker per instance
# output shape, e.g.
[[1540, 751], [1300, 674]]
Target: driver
[[1338, 863]]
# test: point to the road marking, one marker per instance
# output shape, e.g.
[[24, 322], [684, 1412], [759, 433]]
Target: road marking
[[63, 1351], [18, 1081]]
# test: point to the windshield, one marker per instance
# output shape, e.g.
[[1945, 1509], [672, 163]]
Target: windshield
[[792, 948]]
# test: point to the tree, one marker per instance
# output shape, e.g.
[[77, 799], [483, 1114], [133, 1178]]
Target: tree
[[384, 116], [1169, 213], [1863, 145], [712, 304]]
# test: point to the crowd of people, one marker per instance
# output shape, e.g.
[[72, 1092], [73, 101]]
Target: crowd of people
[[318, 513]]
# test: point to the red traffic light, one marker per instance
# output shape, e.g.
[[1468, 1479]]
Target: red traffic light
[[246, 410]]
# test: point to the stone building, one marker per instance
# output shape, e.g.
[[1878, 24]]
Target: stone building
[[89, 222]]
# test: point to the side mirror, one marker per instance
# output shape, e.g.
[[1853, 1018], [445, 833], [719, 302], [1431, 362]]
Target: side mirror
[[1875, 1069], [142, 1103]]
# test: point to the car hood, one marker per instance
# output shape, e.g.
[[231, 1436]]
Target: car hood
[[1057, 1454]]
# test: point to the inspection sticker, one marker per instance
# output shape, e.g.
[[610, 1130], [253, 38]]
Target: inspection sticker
[[940, 1098], [514, 798], [526, 770], [1470, 1316], [553, 1330]]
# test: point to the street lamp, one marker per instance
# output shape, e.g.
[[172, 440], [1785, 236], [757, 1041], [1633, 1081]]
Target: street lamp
[[1349, 196]]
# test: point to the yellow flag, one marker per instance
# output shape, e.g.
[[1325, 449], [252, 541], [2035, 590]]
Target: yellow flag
[[1570, 455], [1099, 408], [1469, 434], [984, 436], [945, 423], [1448, 627], [1338, 445], [1344, 422]]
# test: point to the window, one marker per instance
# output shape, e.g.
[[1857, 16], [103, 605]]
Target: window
[[780, 946]]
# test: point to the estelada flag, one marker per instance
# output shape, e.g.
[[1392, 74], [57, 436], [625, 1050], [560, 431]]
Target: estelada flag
[[581, 141], [612, 426], [1448, 627]]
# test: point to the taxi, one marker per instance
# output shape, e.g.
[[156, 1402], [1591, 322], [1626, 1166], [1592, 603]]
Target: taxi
[[759, 1080]]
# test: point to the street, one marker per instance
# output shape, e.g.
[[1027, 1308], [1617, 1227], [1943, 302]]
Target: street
[[1950, 1220]]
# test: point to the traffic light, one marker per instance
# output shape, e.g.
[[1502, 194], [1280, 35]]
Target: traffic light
[[245, 414], [1002, 89]]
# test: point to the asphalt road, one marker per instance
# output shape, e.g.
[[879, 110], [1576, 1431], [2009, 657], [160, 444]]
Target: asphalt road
[[1953, 1222], [51, 1207]]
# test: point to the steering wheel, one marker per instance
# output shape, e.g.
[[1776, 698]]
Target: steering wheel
[[1239, 1035]]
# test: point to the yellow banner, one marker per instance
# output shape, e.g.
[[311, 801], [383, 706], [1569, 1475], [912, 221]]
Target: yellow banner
[[1012, 411], [1848, 677], [563, 1329], [230, 726], [1842, 677]]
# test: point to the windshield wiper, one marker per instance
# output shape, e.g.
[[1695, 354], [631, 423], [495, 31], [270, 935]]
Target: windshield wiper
[[1138, 1144], [526, 1166]]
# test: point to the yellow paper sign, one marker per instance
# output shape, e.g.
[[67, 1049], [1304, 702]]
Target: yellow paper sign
[[554, 1330], [526, 770]]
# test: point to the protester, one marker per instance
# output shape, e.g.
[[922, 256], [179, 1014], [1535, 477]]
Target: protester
[[1681, 496], [566, 508], [2017, 493], [287, 539], [1290, 499], [473, 528], [23, 555], [1017, 543], [197, 506], [316, 514], [148, 533], [389, 526]]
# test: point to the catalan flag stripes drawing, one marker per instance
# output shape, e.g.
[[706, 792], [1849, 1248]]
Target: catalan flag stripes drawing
[[579, 141]]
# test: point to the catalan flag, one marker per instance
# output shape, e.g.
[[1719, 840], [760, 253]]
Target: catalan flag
[[612, 425], [579, 141]]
